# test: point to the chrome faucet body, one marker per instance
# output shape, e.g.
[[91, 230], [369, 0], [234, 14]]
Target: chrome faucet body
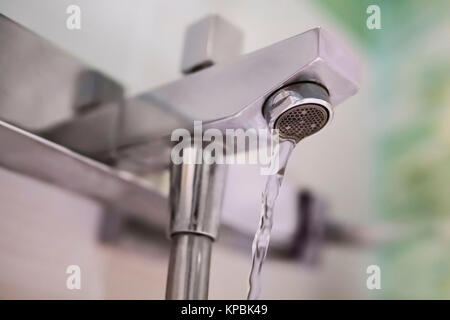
[[102, 144]]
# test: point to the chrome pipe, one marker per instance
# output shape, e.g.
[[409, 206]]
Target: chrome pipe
[[189, 264], [196, 192]]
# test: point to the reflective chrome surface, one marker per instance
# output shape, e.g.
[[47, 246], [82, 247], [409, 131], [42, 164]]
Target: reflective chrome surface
[[85, 112], [42, 86], [188, 274], [196, 192], [196, 196], [295, 95], [33, 156], [231, 95], [210, 41]]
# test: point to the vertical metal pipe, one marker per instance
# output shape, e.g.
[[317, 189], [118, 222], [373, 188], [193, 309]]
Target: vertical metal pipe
[[196, 191], [188, 276]]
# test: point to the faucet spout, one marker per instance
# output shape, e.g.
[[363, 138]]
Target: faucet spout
[[237, 90], [230, 95]]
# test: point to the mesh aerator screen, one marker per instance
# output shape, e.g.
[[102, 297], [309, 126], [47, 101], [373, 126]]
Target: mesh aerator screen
[[301, 121]]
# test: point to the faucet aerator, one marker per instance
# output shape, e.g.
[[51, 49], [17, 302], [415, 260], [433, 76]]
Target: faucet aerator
[[298, 110]]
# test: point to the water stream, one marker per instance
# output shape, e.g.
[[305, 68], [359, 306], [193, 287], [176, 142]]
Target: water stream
[[262, 236]]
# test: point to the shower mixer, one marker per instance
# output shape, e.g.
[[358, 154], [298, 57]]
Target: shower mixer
[[322, 73], [297, 110], [291, 86]]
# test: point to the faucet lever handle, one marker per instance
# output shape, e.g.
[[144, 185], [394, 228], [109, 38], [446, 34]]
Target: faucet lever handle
[[209, 41]]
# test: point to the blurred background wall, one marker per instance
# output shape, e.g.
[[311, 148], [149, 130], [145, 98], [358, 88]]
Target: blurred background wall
[[410, 95], [384, 160]]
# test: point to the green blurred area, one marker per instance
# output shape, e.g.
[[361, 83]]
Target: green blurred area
[[409, 60], [397, 15]]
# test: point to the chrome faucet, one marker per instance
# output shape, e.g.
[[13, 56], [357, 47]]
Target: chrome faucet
[[103, 145]]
